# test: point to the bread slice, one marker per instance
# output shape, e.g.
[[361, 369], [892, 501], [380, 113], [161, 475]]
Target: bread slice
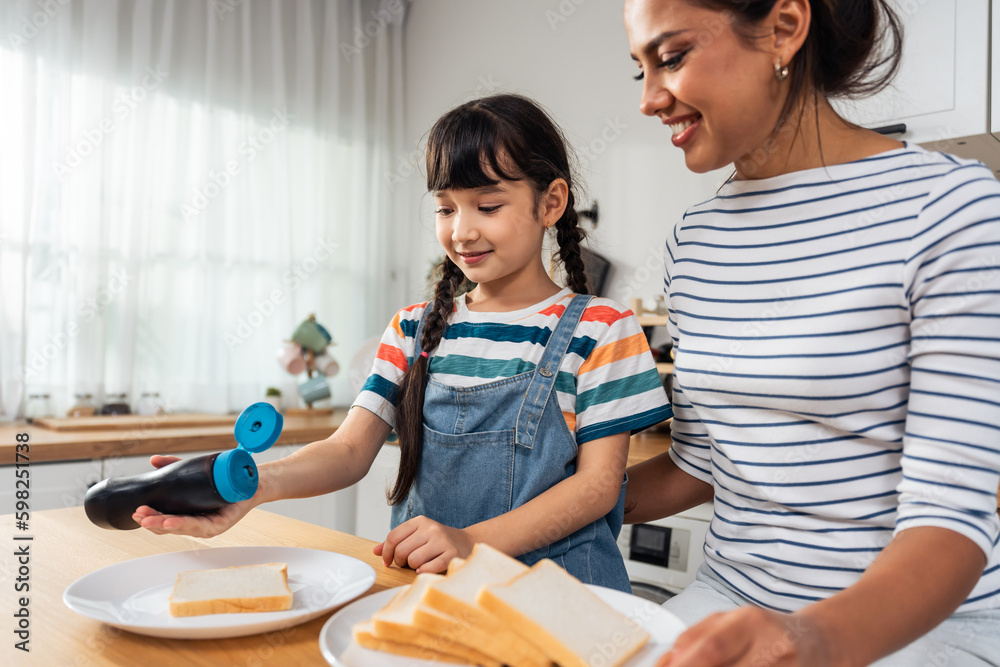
[[395, 623], [227, 590], [467, 622], [364, 636], [573, 626]]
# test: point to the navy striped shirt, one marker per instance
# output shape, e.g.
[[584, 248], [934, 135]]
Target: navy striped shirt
[[837, 375]]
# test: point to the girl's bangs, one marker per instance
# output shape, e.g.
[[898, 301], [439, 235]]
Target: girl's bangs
[[464, 151]]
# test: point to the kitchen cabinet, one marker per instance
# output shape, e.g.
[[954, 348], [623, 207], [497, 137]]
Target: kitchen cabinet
[[52, 485], [373, 511], [941, 90]]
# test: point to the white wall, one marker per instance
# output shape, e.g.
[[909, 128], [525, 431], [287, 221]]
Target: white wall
[[573, 57]]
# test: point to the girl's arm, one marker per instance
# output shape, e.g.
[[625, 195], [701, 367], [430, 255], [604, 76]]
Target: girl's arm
[[917, 581], [320, 467], [587, 495], [658, 488]]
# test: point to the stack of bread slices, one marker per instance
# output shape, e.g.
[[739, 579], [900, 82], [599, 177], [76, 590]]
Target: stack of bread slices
[[492, 610]]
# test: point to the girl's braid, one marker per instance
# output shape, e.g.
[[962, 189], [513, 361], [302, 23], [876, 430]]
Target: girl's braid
[[569, 235], [411, 389]]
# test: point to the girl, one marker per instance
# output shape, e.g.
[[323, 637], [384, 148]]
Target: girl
[[837, 374], [513, 402]]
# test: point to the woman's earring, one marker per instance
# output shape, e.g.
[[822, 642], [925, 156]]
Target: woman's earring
[[780, 73]]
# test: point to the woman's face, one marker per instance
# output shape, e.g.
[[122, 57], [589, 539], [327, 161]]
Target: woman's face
[[716, 93]]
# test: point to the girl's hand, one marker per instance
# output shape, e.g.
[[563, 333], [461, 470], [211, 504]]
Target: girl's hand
[[751, 637], [205, 525], [424, 544]]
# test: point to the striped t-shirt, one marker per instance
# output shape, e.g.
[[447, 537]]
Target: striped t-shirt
[[837, 371], [607, 382]]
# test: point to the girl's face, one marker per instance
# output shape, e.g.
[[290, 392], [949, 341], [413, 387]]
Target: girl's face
[[718, 95], [492, 233]]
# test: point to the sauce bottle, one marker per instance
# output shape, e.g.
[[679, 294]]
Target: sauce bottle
[[193, 486]]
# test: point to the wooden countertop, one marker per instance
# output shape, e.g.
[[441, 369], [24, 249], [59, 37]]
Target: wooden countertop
[[67, 546], [646, 445], [153, 436]]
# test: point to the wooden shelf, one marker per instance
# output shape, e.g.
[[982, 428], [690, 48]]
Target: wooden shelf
[[652, 320]]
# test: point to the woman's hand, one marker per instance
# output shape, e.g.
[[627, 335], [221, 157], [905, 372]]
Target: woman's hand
[[424, 544], [205, 525], [752, 637]]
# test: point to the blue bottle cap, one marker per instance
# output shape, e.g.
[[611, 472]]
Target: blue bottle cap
[[235, 475], [258, 427]]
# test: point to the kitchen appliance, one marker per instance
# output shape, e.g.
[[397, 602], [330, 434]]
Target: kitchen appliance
[[662, 556]]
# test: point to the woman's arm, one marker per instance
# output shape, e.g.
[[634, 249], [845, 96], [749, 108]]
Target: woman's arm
[[658, 488], [320, 467], [917, 581], [590, 493]]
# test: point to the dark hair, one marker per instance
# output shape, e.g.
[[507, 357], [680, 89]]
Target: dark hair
[[846, 52], [506, 136]]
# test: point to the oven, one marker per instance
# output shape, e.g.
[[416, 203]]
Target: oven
[[662, 556]]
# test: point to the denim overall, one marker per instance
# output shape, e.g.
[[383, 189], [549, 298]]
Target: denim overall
[[493, 447]]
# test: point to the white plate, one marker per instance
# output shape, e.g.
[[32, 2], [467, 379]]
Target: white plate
[[339, 649], [133, 595]]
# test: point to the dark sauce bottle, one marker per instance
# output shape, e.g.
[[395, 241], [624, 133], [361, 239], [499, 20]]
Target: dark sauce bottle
[[195, 486]]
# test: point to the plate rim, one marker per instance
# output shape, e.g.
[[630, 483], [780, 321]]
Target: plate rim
[[226, 630]]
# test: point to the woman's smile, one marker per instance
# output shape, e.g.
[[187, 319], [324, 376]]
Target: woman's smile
[[682, 127]]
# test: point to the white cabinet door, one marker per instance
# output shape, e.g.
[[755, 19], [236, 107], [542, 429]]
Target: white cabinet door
[[332, 510], [941, 89], [374, 512], [52, 485]]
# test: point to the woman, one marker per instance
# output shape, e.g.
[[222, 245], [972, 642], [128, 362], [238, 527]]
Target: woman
[[834, 313]]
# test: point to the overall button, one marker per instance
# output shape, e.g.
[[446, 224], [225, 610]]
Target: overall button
[[545, 372]]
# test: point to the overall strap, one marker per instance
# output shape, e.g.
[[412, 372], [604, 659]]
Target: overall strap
[[544, 379]]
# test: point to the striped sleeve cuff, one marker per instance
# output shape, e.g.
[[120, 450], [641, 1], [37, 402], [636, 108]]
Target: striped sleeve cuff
[[981, 530], [379, 399], [632, 424]]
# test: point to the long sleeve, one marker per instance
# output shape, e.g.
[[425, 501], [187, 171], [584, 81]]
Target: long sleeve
[[951, 445]]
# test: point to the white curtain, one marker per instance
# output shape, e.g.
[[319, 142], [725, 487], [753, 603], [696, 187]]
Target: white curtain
[[182, 183]]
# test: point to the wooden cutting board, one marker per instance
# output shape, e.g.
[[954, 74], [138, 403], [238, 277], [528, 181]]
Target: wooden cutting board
[[105, 422]]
